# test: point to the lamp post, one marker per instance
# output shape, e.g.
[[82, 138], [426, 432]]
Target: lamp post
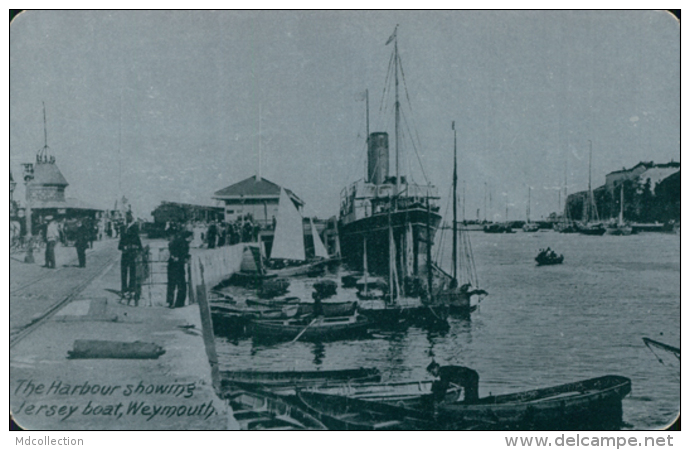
[[28, 177]]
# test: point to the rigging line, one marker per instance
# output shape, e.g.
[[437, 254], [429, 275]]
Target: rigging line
[[439, 251], [474, 267], [419, 159], [402, 72], [386, 83]]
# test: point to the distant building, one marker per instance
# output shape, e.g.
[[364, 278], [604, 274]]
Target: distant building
[[255, 197], [46, 192], [657, 172], [639, 205]]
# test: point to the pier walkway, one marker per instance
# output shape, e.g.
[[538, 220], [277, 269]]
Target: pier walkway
[[50, 309]]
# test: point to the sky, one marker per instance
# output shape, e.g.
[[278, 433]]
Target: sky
[[173, 106]]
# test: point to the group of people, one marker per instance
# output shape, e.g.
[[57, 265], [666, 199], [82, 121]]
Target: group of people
[[546, 253], [52, 231], [216, 233]]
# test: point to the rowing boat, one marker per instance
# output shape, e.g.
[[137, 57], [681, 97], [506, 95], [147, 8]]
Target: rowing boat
[[266, 411], [329, 309], [292, 379], [411, 394], [589, 404], [345, 413], [273, 303], [320, 329]]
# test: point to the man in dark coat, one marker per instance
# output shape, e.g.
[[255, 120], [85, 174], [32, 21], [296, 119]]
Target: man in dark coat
[[211, 235], [177, 277], [464, 377], [130, 246], [81, 242]]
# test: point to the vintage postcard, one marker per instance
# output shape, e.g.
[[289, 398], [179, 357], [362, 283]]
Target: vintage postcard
[[344, 220]]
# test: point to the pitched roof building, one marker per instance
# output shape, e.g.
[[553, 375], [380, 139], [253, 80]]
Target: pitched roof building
[[256, 197]]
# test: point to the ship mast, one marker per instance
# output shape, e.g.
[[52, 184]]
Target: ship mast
[[397, 113], [455, 203]]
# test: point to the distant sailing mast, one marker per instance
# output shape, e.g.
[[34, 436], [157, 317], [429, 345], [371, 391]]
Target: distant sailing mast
[[590, 212]]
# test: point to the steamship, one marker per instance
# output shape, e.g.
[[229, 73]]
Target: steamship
[[386, 218]]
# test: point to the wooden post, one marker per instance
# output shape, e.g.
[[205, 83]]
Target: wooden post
[[190, 285], [207, 330]]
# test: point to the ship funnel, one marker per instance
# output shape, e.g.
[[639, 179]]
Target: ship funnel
[[378, 158]]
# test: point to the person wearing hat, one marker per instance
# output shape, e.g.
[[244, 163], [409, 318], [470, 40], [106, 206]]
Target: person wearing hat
[[52, 237], [81, 243], [130, 246], [177, 280], [464, 377]]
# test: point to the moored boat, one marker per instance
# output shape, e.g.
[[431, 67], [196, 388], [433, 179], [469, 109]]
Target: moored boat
[[273, 303], [311, 329], [329, 309], [372, 207], [345, 413], [266, 411], [589, 404], [289, 250], [410, 394], [298, 378]]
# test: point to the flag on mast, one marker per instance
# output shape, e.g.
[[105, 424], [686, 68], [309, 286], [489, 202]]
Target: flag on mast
[[390, 39]]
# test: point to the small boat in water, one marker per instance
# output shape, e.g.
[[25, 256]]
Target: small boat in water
[[288, 253], [267, 411], [345, 413], [410, 394], [590, 404], [329, 309], [311, 329], [548, 258], [298, 378], [620, 228], [273, 303]]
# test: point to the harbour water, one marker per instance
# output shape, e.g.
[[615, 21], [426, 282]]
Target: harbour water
[[538, 327]]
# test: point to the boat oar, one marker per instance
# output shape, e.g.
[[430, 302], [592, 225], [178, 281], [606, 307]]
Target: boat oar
[[305, 329]]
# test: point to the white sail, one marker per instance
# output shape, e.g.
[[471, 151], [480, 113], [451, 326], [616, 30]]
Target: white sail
[[319, 249], [288, 241]]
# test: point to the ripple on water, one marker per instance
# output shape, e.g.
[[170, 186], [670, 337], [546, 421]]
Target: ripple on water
[[538, 327]]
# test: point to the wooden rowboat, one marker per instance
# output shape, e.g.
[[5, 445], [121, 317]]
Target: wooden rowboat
[[330, 309], [590, 404], [320, 329], [410, 394], [345, 413], [293, 378], [266, 411], [273, 303]]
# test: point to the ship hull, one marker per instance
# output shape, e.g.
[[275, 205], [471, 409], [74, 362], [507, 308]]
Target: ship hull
[[410, 261]]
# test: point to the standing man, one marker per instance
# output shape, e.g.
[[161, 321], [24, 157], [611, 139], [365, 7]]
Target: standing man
[[52, 237], [179, 255], [212, 234], [130, 246], [81, 243]]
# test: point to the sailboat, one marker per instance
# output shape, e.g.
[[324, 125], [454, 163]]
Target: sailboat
[[385, 207], [566, 225], [590, 217], [529, 227], [288, 254], [620, 228], [455, 290]]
